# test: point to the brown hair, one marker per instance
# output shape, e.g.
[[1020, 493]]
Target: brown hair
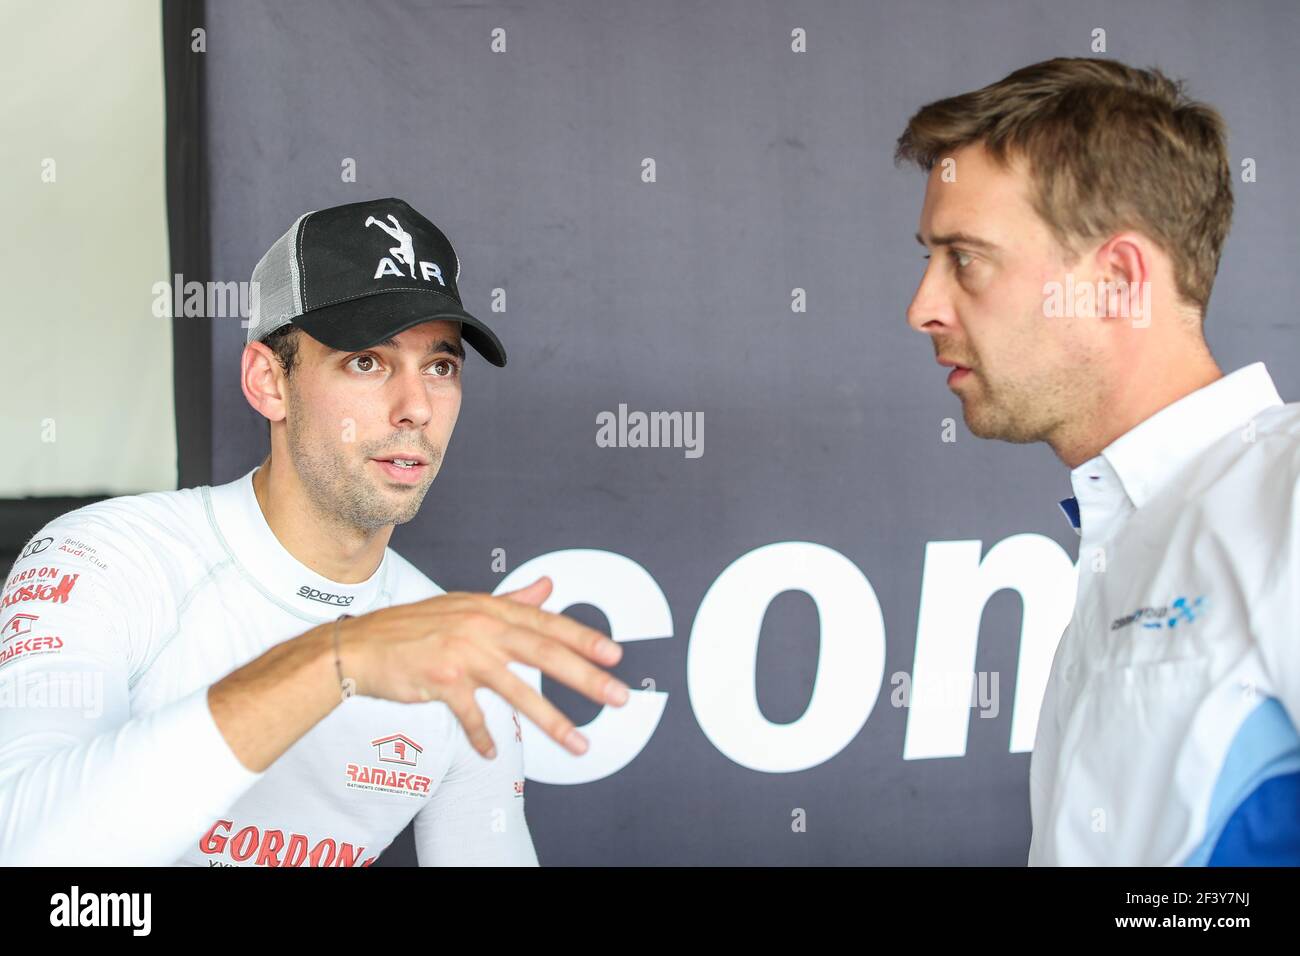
[[1109, 147], [284, 343]]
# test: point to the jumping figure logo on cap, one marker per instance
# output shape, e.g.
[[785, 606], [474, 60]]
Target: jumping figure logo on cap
[[350, 291], [404, 251]]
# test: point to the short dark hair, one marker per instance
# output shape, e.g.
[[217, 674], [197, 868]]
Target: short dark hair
[[284, 343]]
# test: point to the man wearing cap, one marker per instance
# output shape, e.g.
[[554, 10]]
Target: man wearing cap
[[249, 676], [1167, 734]]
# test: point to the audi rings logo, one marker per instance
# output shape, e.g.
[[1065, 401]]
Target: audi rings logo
[[311, 594], [36, 547]]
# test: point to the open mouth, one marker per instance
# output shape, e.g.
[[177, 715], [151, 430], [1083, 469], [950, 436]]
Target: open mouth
[[405, 470]]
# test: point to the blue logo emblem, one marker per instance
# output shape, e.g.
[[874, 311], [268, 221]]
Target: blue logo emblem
[[1183, 610], [1180, 610]]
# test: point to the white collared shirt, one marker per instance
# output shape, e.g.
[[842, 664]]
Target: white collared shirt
[[1167, 733]]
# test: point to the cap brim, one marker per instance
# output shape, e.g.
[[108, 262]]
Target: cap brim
[[364, 322]]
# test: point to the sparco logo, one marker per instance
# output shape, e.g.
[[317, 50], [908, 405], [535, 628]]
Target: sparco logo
[[311, 594]]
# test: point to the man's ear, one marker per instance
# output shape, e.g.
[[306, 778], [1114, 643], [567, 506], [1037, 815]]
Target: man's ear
[[263, 381], [1124, 264]]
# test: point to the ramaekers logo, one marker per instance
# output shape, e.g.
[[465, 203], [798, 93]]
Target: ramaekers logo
[[17, 626], [311, 594], [398, 748], [263, 848], [389, 781], [395, 748], [30, 646]]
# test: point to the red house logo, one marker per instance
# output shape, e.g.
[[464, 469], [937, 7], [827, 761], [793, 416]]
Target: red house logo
[[17, 625], [397, 748]]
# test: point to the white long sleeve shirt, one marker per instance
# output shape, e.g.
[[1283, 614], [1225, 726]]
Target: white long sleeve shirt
[[1167, 734], [116, 619]]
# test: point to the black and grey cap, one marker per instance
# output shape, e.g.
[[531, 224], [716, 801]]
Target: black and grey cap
[[351, 276]]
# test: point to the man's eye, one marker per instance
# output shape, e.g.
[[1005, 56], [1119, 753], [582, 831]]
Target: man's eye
[[956, 257], [363, 358], [444, 368]]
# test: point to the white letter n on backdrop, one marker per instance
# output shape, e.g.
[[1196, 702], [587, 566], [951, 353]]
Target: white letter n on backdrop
[[955, 586]]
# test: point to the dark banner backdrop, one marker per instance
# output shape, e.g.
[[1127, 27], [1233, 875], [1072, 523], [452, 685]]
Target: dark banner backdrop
[[814, 554]]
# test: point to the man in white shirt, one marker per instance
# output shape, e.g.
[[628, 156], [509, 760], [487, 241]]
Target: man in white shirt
[[177, 680], [1079, 207]]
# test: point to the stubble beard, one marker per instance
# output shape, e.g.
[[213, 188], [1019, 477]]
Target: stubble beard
[[349, 491], [1016, 412]]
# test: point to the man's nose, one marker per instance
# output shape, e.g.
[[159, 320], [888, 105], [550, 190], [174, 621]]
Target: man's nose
[[411, 403], [930, 310]]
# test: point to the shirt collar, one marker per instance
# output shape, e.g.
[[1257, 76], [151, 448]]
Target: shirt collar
[[236, 516], [1151, 453]]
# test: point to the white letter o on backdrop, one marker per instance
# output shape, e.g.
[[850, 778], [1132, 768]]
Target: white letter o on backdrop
[[722, 657]]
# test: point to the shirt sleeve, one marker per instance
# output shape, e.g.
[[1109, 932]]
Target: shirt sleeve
[[82, 780], [476, 815]]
